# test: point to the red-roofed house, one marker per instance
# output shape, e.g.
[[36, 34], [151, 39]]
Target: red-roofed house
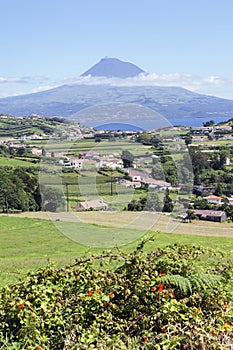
[[213, 199]]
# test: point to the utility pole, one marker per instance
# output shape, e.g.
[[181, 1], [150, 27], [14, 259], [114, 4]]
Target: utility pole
[[6, 202], [67, 196], [111, 182]]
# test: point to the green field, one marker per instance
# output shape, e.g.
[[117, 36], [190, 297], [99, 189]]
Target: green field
[[16, 162], [103, 147], [29, 243]]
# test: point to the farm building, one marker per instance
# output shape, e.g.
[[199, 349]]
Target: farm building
[[211, 215], [95, 204]]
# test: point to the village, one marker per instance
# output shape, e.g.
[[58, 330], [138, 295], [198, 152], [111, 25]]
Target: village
[[210, 141]]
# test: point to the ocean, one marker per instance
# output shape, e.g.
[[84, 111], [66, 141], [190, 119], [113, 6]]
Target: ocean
[[139, 125]]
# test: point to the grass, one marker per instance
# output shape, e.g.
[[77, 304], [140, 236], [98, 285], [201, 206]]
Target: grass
[[104, 147], [4, 161], [29, 243]]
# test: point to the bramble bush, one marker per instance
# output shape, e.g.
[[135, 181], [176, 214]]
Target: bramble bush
[[178, 297]]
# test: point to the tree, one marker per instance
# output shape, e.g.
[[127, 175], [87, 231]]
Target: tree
[[144, 138], [52, 199], [157, 172], [153, 203], [14, 193], [168, 205], [20, 151], [218, 190], [188, 140], [127, 159], [208, 123]]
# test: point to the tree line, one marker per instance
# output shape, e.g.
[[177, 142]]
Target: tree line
[[20, 191]]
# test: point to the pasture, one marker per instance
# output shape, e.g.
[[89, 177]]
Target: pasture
[[30, 240], [14, 162], [103, 147]]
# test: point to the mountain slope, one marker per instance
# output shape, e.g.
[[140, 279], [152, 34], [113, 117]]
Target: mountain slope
[[69, 100], [113, 67]]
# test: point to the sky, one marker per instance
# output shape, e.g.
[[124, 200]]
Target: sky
[[47, 43]]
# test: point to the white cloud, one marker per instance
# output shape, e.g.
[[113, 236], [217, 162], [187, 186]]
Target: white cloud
[[210, 85]]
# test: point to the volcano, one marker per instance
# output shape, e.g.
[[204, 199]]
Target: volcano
[[113, 68]]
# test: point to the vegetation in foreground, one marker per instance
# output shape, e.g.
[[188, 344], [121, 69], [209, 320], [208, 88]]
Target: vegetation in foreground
[[179, 297]]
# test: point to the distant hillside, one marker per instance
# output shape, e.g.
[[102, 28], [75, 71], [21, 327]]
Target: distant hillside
[[72, 101], [113, 67], [16, 127]]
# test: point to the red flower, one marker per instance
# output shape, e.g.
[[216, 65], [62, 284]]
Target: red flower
[[160, 287], [164, 329], [89, 294], [21, 306], [173, 295], [163, 274], [98, 291], [111, 294], [105, 304], [146, 340], [214, 331], [153, 289]]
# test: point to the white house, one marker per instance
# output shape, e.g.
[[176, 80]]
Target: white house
[[71, 163], [213, 199], [229, 200], [135, 177], [112, 163]]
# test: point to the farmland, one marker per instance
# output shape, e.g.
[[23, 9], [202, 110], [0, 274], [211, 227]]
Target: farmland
[[30, 240]]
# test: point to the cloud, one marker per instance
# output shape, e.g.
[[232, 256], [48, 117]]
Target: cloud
[[210, 85], [22, 80]]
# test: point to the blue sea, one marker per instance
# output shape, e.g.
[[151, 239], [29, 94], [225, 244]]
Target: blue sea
[[139, 125]]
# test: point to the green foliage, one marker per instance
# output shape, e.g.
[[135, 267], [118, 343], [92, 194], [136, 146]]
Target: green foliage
[[127, 159], [18, 190], [52, 198], [149, 203], [168, 205], [165, 299]]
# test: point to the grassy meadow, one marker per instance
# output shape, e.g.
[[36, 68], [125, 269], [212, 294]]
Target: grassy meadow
[[14, 162], [28, 243], [103, 147]]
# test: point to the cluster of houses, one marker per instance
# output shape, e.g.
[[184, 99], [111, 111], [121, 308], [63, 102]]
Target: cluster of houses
[[203, 133], [111, 161], [138, 179]]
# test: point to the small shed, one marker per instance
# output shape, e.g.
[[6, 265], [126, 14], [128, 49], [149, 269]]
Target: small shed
[[95, 204]]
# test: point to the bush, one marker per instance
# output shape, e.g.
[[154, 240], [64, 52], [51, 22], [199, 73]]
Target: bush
[[166, 299]]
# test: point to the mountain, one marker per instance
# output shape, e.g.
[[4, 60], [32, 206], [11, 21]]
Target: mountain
[[95, 104], [99, 104], [113, 67]]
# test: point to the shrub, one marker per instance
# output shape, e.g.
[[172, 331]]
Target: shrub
[[167, 299]]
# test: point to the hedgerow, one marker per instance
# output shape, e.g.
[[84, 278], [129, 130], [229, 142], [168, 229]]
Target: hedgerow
[[179, 297]]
